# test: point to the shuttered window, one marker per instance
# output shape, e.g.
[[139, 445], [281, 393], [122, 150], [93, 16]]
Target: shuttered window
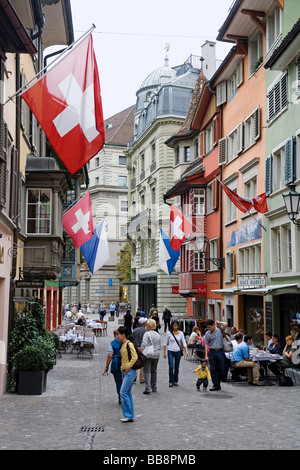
[[235, 142], [221, 93], [268, 175], [252, 128], [290, 161], [3, 162], [230, 266], [278, 97], [223, 151]]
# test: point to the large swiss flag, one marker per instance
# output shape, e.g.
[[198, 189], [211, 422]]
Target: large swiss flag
[[67, 103]]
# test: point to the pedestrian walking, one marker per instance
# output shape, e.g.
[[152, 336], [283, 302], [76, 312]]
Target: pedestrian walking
[[174, 344], [137, 335], [128, 374], [112, 309], [166, 317], [216, 356], [203, 375], [102, 310], [136, 320], [155, 317], [79, 305], [88, 308], [114, 360], [117, 309], [151, 337], [152, 310], [128, 320]]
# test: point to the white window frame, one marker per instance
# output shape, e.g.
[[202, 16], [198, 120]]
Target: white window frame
[[250, 259], [120, 179], [255, 52], [278, 97], [235, 143], [199, 261], [39, 207], [231, 209], [199, 202], [252, 128], [273, 28], [213, 253], [209, 138]]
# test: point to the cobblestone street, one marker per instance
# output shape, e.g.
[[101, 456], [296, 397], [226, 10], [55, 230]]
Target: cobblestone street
[[80, 411]]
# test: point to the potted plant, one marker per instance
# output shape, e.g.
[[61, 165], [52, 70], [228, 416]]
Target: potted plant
[[30, 365]]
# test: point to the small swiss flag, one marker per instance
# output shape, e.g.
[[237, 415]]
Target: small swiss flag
[[78, 221], [67, 103], [180, 228]]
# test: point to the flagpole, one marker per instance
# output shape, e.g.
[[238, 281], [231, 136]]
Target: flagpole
[[75, 43], [237, 200]]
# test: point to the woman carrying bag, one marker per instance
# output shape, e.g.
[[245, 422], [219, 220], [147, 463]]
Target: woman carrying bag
[[174, 344], [128, 374], [151, 346]]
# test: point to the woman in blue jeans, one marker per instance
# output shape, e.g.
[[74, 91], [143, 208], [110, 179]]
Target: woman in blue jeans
[[128, 374], [174, 344]]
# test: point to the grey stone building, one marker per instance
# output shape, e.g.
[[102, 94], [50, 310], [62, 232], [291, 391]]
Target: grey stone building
[[162, 104]]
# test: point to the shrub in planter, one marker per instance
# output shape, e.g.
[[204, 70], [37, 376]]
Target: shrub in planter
[[30, 364]]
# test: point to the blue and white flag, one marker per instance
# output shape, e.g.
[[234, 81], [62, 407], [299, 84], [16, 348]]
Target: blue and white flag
[[167, 256], [96, 250]]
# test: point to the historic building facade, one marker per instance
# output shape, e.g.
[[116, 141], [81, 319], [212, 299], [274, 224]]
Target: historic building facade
[[108, 188]]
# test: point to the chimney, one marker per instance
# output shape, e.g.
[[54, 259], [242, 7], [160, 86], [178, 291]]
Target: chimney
[[209, 56]]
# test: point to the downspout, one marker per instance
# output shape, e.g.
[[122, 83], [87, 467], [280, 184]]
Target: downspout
[[221, 204]]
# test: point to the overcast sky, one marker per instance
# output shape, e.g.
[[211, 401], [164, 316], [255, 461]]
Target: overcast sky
[[130, 39]]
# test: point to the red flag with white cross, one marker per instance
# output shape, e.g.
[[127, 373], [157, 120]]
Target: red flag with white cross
[[78, 221], [180, 228], [67, 103]]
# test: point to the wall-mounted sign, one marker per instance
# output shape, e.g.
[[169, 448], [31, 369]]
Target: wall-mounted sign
[[201, 289], [175, 289], [29, 284], [251, 282]]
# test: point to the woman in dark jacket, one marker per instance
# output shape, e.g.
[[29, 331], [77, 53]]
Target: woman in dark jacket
[[128, 320]]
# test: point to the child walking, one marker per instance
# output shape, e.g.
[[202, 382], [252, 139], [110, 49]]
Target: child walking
[[203, 375]]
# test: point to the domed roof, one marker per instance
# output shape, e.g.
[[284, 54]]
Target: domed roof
[[161, 75]]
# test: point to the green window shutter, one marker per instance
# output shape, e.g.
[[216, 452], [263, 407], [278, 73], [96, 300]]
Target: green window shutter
[[268, 175], [290, 161]]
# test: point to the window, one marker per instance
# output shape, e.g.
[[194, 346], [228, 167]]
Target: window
[[231, 87], [273, 28], [252, 128], [153, 159], [122, 160], [177, 156], [124, 206], [249, 259], [39, 211], [281, 249], [209, 198], [123, 181], [97, 162], [123, 231], [97, 180], [235, 142], [231, 209], [187, 154], [199, 202], [213, 253], [298, 76], [255, 52], [209, 138], [281, 167], [278, 97], [250, 187], [199, 261]]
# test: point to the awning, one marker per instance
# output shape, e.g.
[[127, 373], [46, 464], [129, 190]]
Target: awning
[[262, 290]]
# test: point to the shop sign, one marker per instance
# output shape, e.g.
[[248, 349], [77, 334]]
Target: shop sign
[[201, 289], [251, 282], [29, 284], [175, 289]]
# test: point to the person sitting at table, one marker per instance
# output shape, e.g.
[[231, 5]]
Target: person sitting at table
[[273, 347], [195, 338], [240, 358], [278, 367]]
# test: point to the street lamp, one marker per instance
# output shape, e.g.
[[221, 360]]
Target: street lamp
[[202, 243], [292, 201]]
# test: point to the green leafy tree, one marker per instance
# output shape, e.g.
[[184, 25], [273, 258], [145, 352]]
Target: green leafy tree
[[124, 266]]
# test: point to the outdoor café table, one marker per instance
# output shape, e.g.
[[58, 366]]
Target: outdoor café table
[[263, 356]]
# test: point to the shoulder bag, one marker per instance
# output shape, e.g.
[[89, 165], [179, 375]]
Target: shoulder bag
[[140, 360], [227, 344], [149, 350]]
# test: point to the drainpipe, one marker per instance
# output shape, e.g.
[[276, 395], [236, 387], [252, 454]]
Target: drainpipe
[[221, 204]]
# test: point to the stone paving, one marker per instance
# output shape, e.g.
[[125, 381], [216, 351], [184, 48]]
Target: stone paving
[[80, 411]]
